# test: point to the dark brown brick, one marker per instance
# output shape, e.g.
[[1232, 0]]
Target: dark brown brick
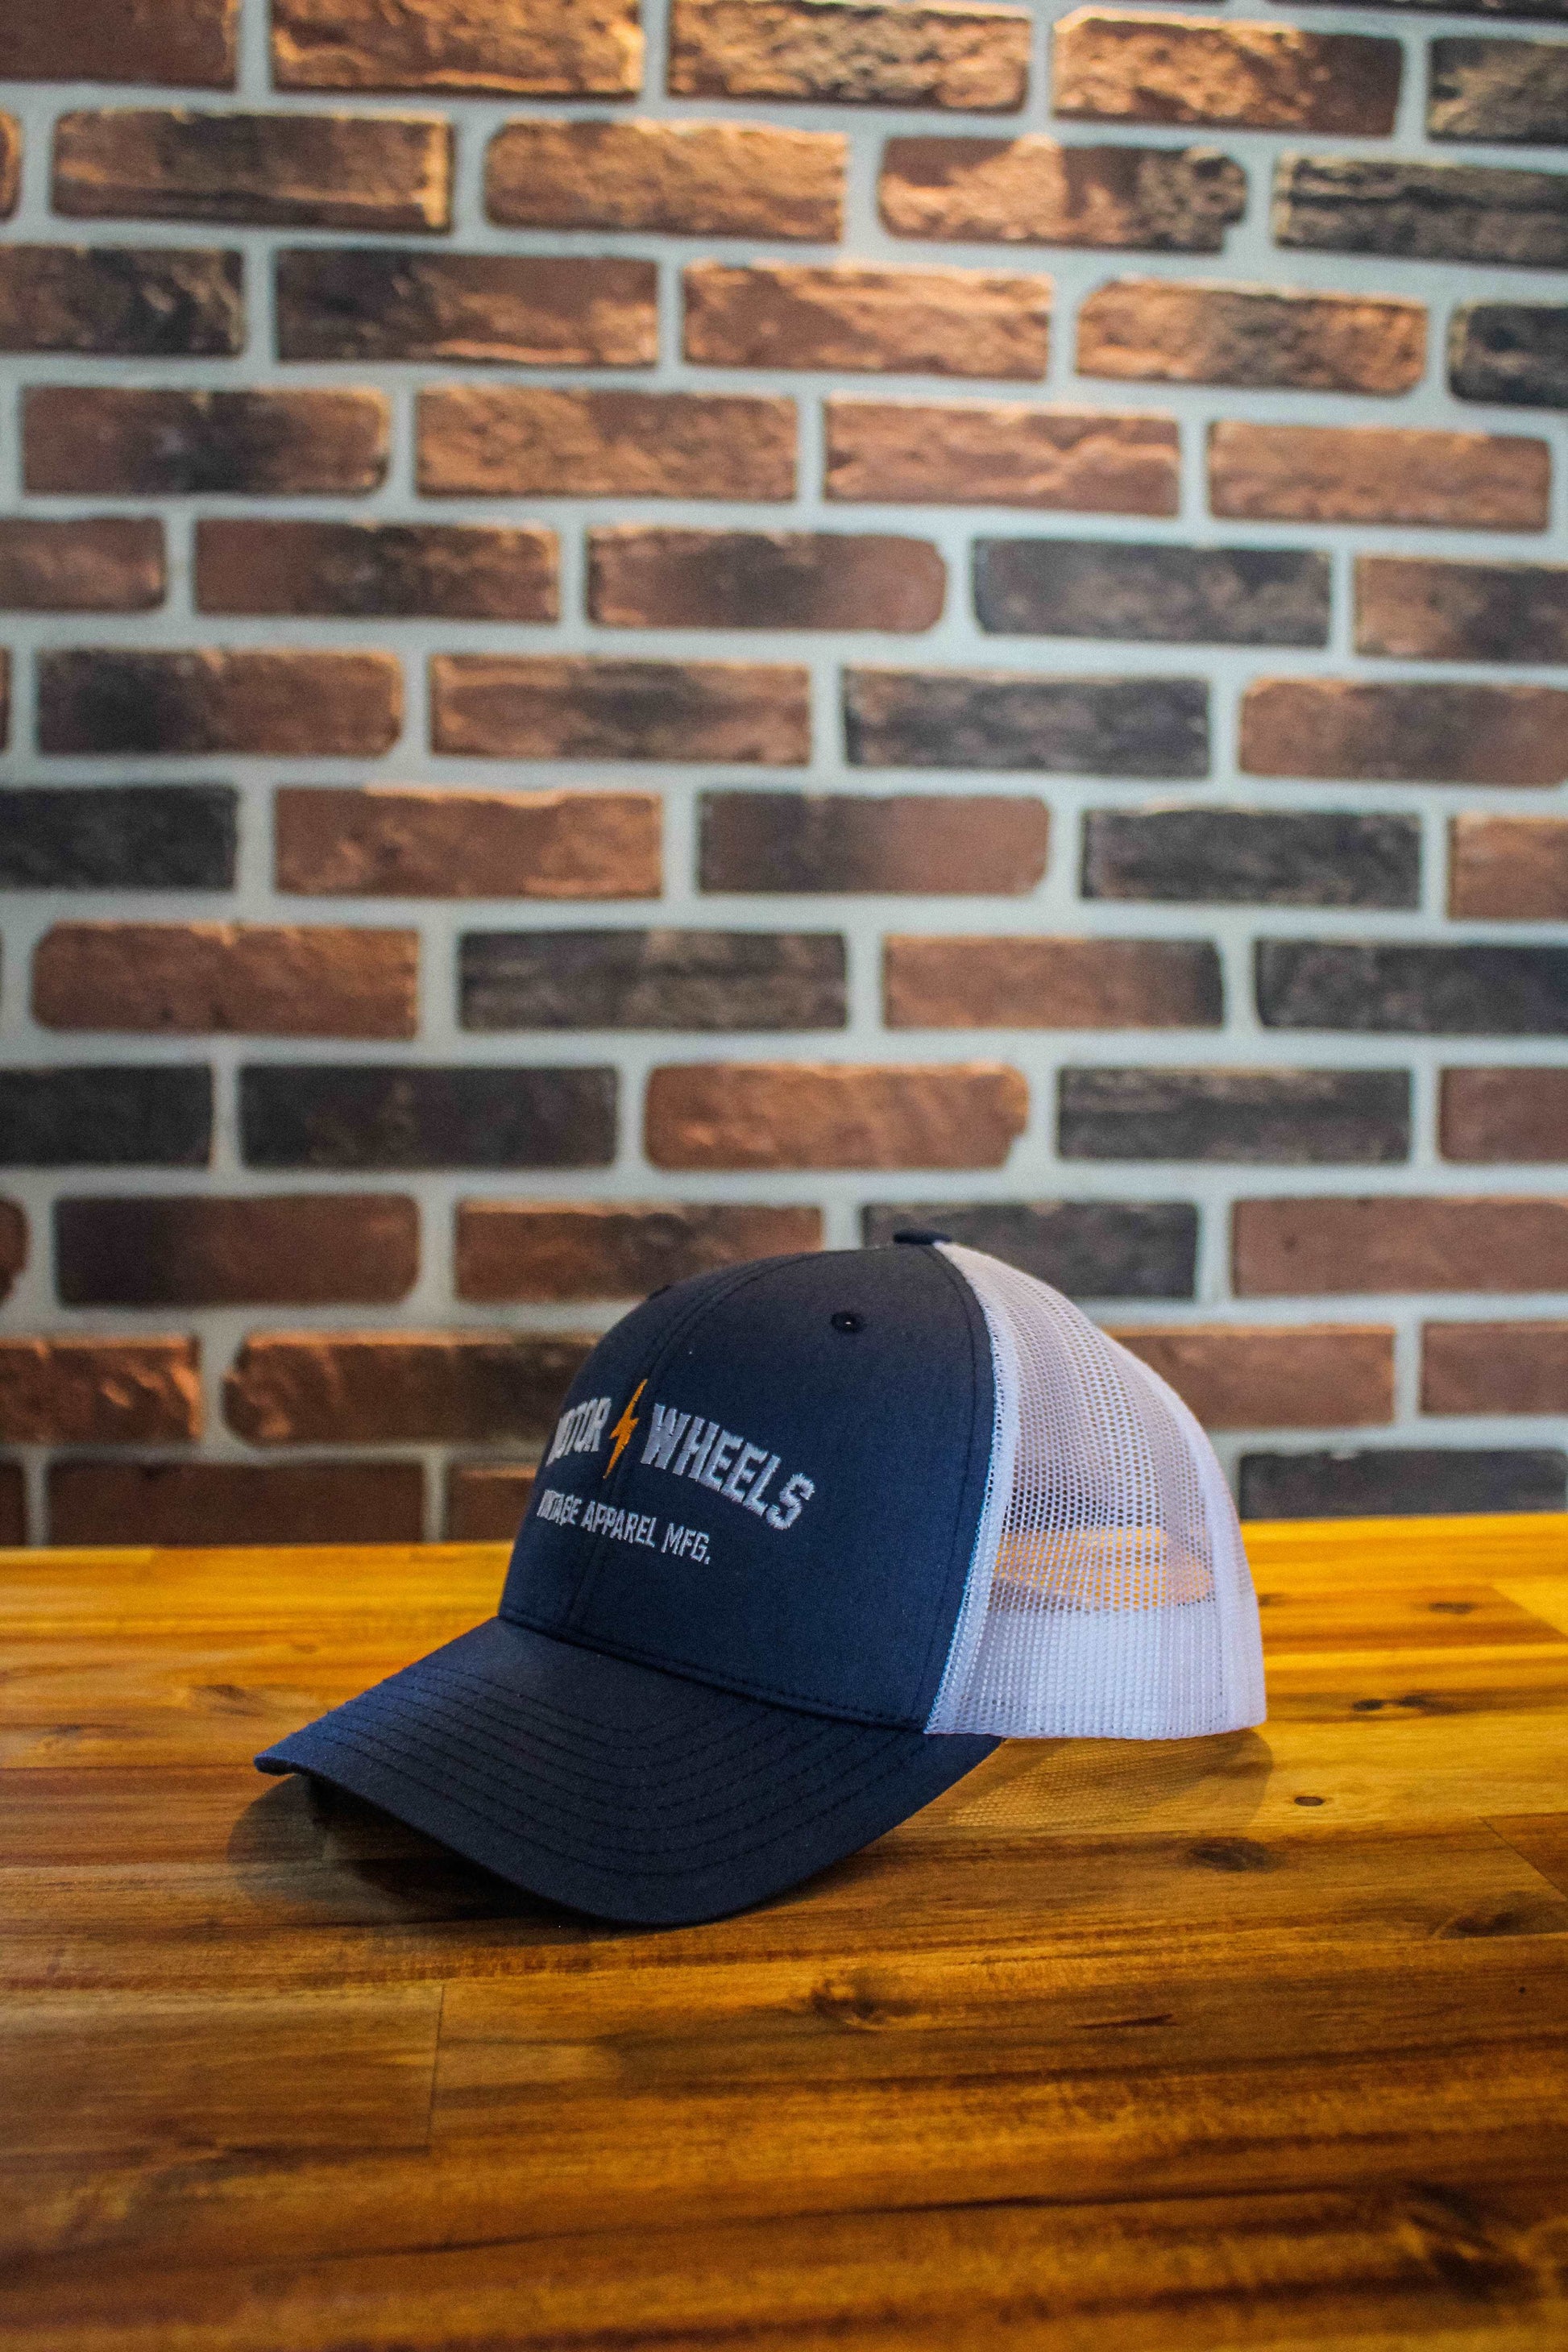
[[1044, 983], [833, 1115], [1369, 472], [1273, 1376], [389, 1115], [1001, 453], [1515, 352], [1494, 1367], [519, 440], [13, 1505], [1445, 732], [194, 978], [689, 179], [1269, 336], [296, 1249], [940, 843], [1301, 1248], [575, 707], [1497, 90], [1423, 212], [1258, 1118], [175, 1505], [98, 1392], [378, 302], [122, 301], [1090, 1249], [651, 979], [304, 171], [539, 1250], [362, 570], [1422, 609], [1264, 858], [1173, 595], [106, 1117], [640, 576], [355, 1388], [293, 704], [1401, 1481], [117, 837], [1503, 1115], [851, 52], [910, 321], [194, 43], [1114, 66], [486, 1501], [13, 1246], [993, 719], [10, 165], [529, 48], [118, 441], [413, 842], [1509, 868], [1033, 191], [1422, 989], [90, 563]]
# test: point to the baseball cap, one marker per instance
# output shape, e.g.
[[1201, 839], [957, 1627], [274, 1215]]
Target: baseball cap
[[811, 1536]]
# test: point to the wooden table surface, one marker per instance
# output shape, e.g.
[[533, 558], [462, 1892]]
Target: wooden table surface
[[1251, 2041]]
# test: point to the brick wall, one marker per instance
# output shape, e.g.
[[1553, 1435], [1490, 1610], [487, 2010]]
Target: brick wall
[[636, 642]]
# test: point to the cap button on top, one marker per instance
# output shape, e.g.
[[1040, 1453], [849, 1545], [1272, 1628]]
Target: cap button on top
[[918, 1234]]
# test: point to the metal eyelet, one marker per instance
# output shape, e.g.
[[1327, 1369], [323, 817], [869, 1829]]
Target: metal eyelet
[[846, 1320]]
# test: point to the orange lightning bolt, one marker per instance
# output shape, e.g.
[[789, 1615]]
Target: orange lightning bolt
[[622, 1432]]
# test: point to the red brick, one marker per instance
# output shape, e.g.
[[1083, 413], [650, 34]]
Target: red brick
[[1113, 67], [1001, 453], [292, 704], [1494, 1367], [1509, 868], [98, 1392], [174, 1505], [13, 1505], [517, 440], [643, 577], [689, 179], [295, 1249], [371, 1387], [574, 706], [1043, 983], [833, 1115], [360, 570], [851, 52], [1310, 1247], [10, 163], [1443, 731], [1033, 191], [1422, 608], [308, 171], [12, 1244], [1156, 329], [944, 844], [530, 310], [614, 1249], [197, 977], [1284, 1376], [438, 842], [529, 48], [90, 564], [122, 301], [1509, 1114], [117, 440], [915, 321], [486, 1501], [1372, 472], [194, 44]]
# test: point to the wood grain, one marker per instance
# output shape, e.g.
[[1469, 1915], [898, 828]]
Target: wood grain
[[1259, 2041]]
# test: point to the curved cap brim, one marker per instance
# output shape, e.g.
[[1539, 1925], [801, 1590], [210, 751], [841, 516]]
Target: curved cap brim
[[615, 1787]]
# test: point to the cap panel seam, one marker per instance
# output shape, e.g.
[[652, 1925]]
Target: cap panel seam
[[959, 1559]]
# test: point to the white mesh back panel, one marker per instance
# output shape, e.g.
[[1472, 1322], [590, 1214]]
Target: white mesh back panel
[[1108, 1595]]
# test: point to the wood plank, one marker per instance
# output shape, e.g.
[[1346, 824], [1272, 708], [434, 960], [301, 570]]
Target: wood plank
[[1541, 1839]]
